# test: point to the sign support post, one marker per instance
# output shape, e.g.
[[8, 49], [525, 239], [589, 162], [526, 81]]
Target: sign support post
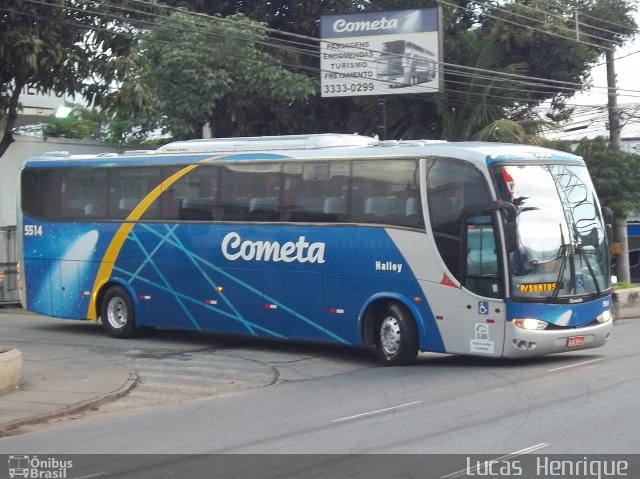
[[382, 118]]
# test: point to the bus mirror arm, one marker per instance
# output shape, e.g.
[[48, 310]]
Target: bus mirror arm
[[510, 208]]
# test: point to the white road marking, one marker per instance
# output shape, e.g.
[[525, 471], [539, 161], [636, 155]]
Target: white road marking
[[471, 471], [379, 411], [574, 365]]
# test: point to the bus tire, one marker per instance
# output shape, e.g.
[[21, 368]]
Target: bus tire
[[117, 313], [396, 336]]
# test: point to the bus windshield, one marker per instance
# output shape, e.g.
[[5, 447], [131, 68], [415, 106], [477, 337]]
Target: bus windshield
[[561, 250]]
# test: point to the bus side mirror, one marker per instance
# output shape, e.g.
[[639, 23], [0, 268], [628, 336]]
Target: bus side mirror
[[510, 236], [607, 215]]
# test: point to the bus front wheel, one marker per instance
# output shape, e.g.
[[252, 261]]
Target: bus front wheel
[[397, 336], [117, 313]]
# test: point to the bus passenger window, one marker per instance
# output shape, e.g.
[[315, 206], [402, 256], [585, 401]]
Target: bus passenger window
[[84, 194], [385, 192], [41, 193], [128, 186], [316, 192], [194, 197], [251, 192]]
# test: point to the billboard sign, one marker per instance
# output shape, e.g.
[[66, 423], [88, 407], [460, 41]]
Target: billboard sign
[[380, 53]]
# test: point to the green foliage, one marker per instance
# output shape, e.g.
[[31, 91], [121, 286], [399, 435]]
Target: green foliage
[[46, 45], [514, 131], [81, 123], [187, 70], [498, 46], [97, 125], [610, 22], [478, 100], [615, 174], [548, 46], [284, 15], [196, 69]]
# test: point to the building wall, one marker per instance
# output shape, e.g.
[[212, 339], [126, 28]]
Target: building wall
[[25, 147]]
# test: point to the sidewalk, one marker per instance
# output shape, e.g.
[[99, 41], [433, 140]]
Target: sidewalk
[[60, 381]]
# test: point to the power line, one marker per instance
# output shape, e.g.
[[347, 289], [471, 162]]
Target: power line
[[598, 19], [251, 37], [569, 20], [570, 31], [444, 2], [474, 73]]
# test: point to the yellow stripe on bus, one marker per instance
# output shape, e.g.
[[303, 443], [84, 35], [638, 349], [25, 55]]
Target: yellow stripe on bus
[[109, 258]]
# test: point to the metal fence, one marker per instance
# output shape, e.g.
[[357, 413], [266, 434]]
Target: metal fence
[[8, 266]]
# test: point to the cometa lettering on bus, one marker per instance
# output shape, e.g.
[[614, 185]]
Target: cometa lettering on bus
[[233, 248]]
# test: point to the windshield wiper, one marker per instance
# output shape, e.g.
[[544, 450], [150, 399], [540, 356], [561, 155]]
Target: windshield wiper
[[564, 253], [583, 254]]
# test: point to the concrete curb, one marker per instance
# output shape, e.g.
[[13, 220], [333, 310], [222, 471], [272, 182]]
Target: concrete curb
[[10, 368], [10, 428], [627, 302]]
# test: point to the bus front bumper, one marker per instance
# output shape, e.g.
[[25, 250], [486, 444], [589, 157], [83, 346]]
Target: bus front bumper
[[522, 343]]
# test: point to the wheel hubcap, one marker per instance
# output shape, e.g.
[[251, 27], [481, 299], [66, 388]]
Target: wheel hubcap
[[117, 313], [390, 335]]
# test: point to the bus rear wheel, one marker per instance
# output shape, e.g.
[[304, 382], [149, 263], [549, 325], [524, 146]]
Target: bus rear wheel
[[397, 336], [117, 313]]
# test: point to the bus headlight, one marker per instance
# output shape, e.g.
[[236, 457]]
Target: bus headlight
[[530, 323], [604, 317]]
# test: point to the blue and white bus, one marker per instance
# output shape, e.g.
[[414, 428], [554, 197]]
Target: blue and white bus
[[483, 249]]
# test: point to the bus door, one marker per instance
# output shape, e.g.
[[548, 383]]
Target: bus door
[[64, 278], [484, 309], [464, 231]]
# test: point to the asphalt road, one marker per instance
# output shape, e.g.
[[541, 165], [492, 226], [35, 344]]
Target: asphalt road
[[339, 401]]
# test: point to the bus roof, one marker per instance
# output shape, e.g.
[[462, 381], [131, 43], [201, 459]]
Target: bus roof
[[328, 146]]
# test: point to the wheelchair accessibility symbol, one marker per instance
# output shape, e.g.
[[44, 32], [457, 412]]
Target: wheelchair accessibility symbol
[[483, 307]]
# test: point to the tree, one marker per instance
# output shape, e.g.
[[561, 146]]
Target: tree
[[534, 38], [81, 123], [301, 18], [77, 47], [195, 69]]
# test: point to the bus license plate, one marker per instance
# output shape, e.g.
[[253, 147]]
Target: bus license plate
[[575, 341]]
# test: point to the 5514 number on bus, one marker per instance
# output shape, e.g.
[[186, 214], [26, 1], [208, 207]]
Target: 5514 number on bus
[[33, 230]]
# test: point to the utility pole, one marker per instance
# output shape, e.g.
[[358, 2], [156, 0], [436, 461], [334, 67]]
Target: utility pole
[[614, 111], [621, 240]]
